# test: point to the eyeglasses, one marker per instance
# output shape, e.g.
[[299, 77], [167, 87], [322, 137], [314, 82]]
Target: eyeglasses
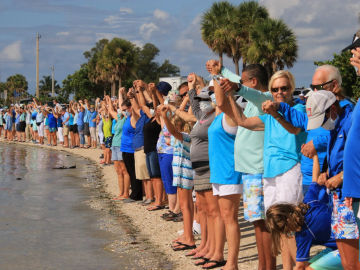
[[282, 88], [319, 86]]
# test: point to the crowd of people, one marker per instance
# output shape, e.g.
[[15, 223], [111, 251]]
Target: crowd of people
[[200, 151]]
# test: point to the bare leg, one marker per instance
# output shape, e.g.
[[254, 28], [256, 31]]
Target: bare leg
[[349, 253]]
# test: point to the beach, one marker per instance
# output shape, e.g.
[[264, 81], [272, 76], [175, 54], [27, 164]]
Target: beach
[[149, 226]]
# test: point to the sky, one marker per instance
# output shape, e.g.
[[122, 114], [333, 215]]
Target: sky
[[70, 27]]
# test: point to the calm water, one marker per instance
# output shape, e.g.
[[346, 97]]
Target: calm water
[[46, 222]]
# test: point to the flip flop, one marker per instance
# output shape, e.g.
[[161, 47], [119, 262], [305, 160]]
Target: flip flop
[[204, 261], [215, 265], [182, 246], [155, 208]]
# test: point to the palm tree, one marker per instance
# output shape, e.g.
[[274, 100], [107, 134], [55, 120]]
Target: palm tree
[[273, 45], [213, 27], [249, 13], [117, 61]]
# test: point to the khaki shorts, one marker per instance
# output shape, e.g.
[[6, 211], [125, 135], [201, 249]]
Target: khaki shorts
[[141, 170], [66, 130]]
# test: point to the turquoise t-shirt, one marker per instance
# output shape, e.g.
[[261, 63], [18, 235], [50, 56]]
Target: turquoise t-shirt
[[221, 154], [118, 127], [249, 144], [281, 148]]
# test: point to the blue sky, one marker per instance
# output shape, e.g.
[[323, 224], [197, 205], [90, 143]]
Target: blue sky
[[68, 28]]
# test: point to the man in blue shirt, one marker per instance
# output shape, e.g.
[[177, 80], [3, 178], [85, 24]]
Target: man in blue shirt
[[323, 109]]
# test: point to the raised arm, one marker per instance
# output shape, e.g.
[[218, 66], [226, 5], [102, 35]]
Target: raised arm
[[110, 107], [142, 102], [171, 128]]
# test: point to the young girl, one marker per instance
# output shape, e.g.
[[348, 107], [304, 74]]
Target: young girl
[[182, 176], [311, 223]]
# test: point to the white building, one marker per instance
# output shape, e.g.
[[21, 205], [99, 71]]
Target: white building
[[174, 81]]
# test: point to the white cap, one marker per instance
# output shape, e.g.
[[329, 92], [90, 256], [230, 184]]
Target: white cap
[[316, 105]]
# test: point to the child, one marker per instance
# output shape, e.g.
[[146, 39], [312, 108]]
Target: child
[[311, 223]]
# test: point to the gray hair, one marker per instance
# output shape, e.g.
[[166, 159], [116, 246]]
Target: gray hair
[[333, 73]]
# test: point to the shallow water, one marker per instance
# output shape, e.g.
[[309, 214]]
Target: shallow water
[[57, 219]]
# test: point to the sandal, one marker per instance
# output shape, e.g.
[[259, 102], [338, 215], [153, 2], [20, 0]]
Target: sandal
[[202, 262], [155, 208], [182, 246], [215, 265]]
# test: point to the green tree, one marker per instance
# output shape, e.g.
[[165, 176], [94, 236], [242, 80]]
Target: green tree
[[167, 70], [45, 86], [117, 62], [147, 68], [249, 13], [16, 84], [273, 45], [350, 82], [80, 85], [214, 24]]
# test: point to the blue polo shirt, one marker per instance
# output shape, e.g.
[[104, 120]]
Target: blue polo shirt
[[281, 148], [351, 185], [80, 118], [336, 144], [138, 139], [317, 225], [91, 118]]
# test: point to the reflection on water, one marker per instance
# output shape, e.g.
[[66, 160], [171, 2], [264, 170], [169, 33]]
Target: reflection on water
[[45, 223]]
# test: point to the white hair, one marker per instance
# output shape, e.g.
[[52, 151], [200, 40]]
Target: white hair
[[333, 73]]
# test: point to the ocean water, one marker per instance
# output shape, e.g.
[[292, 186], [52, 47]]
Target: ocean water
[[59, 219]]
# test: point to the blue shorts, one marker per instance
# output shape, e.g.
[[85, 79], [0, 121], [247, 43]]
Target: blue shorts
[[52, 130], [152, 164], [116, 154], [253, 197], [165, 162]]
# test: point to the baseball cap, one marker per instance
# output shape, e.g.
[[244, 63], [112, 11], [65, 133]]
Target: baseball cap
[[316, 105], [164, 88], [355, 43]]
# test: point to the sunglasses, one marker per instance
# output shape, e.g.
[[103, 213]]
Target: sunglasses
[[282, 88], [244, 81], [183, 95], [319, 86]]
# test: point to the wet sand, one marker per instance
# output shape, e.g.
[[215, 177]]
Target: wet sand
[[148, 227]]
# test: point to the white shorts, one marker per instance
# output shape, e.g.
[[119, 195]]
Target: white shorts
[[101, 138], [284, 188], [60, 134], [225, 190], [41, 129]]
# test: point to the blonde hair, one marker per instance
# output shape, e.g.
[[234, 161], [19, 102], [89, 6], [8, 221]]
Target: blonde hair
[[185, 126], [284, 219], [283, 74]]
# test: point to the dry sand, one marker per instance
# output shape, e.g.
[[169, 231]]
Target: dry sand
[[159, 232]]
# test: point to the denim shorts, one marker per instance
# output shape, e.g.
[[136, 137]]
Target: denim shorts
[[52, 129], [152, 164], [116, 154]]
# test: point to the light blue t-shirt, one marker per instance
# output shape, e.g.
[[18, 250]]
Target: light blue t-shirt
[[281, 148], [221, 154]]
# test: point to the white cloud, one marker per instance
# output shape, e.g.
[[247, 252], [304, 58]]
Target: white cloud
[[108, 36], [62, 33], [161, 15], [278, 7], [126, 10], [147, 29], [12, 52], [138, 43], [112, 19]]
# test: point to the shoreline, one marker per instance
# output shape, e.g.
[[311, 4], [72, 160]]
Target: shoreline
[[152, 227]]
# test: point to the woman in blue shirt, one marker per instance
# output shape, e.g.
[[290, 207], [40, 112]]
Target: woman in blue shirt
[[282, 145]]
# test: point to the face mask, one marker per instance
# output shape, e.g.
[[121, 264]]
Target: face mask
[[330, 123], [91, 110], [213, 100], [126, 114], [152, 111], [118, 111], [205, 106]]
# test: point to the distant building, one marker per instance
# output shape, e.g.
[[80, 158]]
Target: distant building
[[174, 81]]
